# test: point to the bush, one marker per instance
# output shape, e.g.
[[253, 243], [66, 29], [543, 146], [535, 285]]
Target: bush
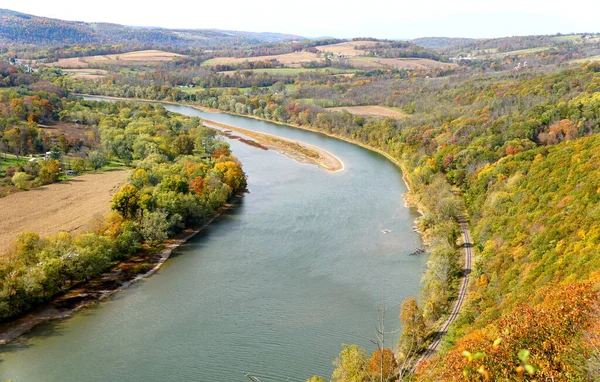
[[21, 180]]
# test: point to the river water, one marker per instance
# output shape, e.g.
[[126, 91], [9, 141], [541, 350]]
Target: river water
[[274, 287]]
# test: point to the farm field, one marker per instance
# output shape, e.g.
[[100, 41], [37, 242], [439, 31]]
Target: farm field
[[396, 63], [515, 52], [293, 71], [370, 111], [66, 206], [347, 48], [586, 59], [139, 57], [293, 60], [90, 74]]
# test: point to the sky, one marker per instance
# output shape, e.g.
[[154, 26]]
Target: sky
[[393, 19]]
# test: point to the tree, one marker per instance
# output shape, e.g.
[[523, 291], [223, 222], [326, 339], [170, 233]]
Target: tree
[[97, 159], [78, 165], [50, 171], [351, 365], [383, 365], [21, 180], [183, 145], [126, 201], [154, 227], [413, 327]]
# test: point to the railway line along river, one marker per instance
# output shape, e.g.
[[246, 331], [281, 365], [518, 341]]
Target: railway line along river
[[273, 287]]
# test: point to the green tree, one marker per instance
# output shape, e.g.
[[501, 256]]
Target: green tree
[[21, 180], [126, 201], [78, 165], [155, 227], [97, 159], [352, 365]]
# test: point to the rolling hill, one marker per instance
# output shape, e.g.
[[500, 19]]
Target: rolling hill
[[16, 27]]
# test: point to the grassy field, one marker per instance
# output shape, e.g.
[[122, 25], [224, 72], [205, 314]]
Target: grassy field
[[138, 57], [586, 59], [90, 74], [7, 160], [371, 111], [66, 206], [292, 60], [295, 71], [347, 48], [570, 37], [516, 52], [242, 90]]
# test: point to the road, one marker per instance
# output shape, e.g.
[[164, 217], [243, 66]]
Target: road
[[433, 347]]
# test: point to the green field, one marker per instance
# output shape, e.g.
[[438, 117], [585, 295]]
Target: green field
[[288, 87], [516, 52], [570, 37], [586, 59], [7, 160], [295, 71]]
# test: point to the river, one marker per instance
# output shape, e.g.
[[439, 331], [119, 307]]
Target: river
[[273, 287]]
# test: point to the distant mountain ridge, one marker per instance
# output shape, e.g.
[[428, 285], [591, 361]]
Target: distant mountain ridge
[[441, 42], [17, 27]]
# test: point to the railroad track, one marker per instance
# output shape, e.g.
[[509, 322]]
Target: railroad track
[[433, 347]]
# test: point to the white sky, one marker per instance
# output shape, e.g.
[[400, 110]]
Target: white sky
[[348, 18]]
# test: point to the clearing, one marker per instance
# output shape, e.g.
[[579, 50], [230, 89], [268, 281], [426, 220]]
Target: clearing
[[291, 71], [294, 60], [370, 111], [66, 206], [130, 58], [347, 48], [586, 59], [515, 52], [90, 74]]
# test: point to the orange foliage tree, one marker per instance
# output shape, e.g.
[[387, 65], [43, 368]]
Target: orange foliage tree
[[550, 333], [383, 365]]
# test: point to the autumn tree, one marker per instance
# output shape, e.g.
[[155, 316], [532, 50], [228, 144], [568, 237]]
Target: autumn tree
[[413, 328], [49, 171], [351, 365], [126, 201], [383, 365]]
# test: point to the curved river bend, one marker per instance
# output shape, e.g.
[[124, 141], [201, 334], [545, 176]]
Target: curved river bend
[[273, 287]]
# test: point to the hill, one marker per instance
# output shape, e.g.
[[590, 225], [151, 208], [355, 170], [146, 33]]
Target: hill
[[441, 42], [16, 27]]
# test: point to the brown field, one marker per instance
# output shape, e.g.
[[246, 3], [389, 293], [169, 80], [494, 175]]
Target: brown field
[[292, 60], [70, 130], [90, 74], [139, 57], [370, 111], [66, 206], [345, 48], [396, 63]]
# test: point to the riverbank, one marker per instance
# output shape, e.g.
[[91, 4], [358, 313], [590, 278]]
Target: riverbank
[[299, 151], [135, 268]]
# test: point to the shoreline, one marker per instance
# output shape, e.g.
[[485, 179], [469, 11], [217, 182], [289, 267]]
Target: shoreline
[[325, 160], [101, 287], [328, 163]]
